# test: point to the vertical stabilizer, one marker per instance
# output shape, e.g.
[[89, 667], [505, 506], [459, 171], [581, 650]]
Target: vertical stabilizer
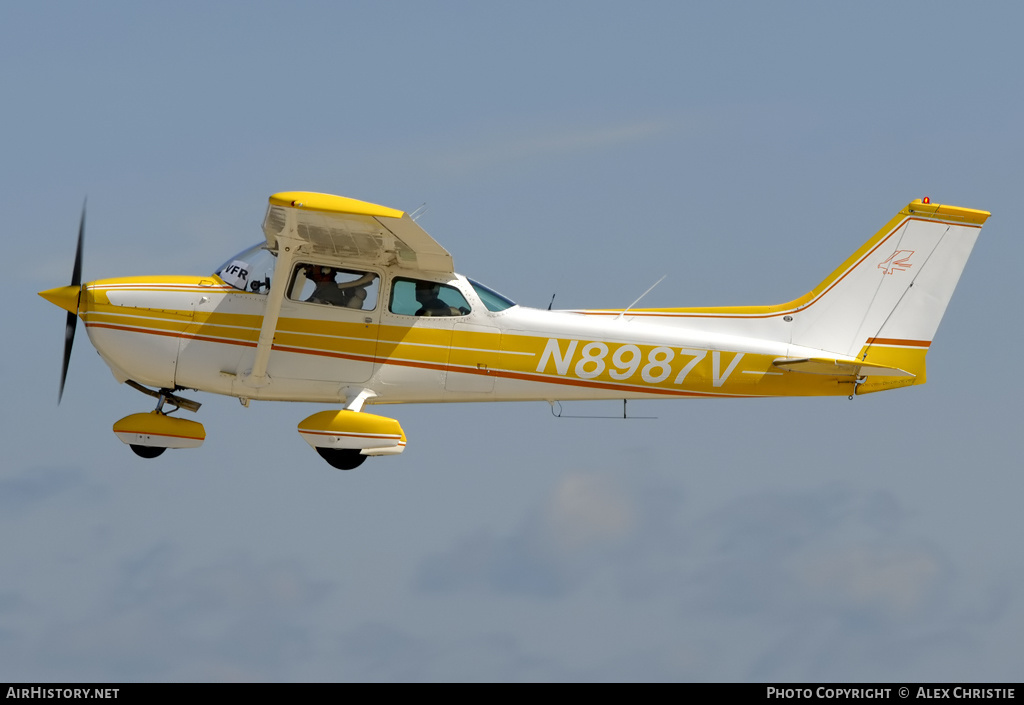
[[884, 304]]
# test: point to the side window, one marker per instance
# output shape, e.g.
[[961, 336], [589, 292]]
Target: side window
[[333, 286], [416, 297]]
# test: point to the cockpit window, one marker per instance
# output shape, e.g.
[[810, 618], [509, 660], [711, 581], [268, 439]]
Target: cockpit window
[[334, 286], [250, 269], [492, 300], [417, 297]]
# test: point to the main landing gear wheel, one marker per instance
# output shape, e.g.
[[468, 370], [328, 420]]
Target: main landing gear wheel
[[146, 451], [340, 458]]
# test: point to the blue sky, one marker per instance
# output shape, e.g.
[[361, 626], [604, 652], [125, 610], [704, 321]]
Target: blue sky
[[576, 149]]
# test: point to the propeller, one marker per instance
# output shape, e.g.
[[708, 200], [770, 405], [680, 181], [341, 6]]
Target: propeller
[[72, 319]]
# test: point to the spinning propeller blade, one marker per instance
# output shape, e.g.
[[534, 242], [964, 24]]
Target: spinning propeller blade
[[72, 318]]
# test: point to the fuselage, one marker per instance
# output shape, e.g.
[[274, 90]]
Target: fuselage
[[348, 303], [201, 333]]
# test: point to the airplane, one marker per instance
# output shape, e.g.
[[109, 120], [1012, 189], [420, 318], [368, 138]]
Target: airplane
[[350, 304]]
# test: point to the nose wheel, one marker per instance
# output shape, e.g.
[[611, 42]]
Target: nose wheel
[[146, 451], [341, 458], [149, 435]]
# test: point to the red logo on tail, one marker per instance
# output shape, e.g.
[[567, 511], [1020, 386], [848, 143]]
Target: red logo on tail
[[898, 261]]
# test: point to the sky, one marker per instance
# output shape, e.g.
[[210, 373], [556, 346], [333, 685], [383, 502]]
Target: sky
[[574, 149]]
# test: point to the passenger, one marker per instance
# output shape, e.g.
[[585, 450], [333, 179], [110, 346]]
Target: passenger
[[357, 297]]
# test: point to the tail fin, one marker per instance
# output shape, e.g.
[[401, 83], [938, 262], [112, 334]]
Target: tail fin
[[881, 307], [884, 304]]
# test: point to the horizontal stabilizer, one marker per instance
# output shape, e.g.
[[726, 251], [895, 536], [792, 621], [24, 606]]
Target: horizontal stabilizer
[[840, 368]]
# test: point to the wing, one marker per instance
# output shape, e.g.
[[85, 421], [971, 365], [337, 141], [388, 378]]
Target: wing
[[354, 231]]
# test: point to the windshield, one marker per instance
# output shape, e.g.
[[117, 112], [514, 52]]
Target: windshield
[[249, 270], [492, 300]]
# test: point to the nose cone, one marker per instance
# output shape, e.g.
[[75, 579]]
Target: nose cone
[[64, 296]]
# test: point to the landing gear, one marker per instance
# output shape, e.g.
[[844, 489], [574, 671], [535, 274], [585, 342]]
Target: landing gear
[[341, 458], [345, 438], [146, 451], [149, 435]]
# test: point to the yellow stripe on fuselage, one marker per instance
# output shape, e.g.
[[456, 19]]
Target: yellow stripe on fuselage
[[609, 369]]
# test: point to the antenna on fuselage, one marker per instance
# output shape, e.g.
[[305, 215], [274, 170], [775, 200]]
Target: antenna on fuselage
[[552, 302], [560, 414], [419, 211], [640, 297]]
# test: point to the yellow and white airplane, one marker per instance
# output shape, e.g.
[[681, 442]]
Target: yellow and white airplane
[[349, 303]]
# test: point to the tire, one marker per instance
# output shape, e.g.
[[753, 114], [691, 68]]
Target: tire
[[342, 458], [147, 451]]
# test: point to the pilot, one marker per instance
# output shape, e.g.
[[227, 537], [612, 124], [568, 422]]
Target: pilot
[[430, 304], [327, 290]]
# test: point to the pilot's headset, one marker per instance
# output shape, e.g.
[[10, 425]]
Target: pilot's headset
[[321, 274]]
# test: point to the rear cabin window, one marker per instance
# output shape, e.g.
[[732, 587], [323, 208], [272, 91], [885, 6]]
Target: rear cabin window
[[417, 297]]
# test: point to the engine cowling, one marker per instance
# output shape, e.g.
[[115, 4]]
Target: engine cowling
[[353, 430]]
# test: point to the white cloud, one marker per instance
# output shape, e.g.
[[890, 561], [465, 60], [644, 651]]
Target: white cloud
[[586, 510], [896, 580]]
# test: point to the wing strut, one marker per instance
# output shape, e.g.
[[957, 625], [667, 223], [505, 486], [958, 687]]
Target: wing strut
[[286, 251]]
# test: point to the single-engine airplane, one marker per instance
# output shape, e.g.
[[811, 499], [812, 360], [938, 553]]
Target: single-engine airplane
[[350, 303]]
